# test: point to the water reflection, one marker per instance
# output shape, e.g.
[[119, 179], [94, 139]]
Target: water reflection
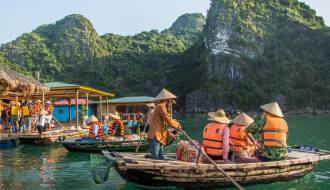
[[31, 167]]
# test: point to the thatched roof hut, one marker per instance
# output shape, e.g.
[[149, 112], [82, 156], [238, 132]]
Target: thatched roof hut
[[11, 81]]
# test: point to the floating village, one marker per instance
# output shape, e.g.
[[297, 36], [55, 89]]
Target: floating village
[[130, 133], [230, 94]]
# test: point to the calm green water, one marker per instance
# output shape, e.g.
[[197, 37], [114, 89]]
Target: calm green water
[[29, 167]]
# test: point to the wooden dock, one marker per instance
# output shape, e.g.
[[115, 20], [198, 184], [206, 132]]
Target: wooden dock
[[48, 137]]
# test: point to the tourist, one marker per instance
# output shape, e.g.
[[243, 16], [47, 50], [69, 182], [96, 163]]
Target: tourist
[[116, 127], [274, 130], [243, 143], [5, 116], [158, 132], [216, 136], [14, 114], [26, 116], [35, 111], [1, 119], [41, 121], [49, 116], [95, 129]]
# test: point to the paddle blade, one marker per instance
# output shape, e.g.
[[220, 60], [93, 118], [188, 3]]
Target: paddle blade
[[100, 168]]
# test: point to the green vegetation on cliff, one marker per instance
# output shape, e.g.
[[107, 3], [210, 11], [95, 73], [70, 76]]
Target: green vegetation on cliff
[[245, 53]]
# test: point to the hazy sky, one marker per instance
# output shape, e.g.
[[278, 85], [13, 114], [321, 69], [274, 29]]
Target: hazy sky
[[114, 16]]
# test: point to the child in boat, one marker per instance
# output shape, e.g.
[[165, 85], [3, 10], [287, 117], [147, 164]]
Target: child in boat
[[216, 136], [41, 120], [95, 129], [242, 142], [274, 130]]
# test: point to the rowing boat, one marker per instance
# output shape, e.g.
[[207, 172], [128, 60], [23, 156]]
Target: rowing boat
[[136, 168], [76, 145]]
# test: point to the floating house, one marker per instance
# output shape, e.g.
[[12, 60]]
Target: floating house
[[64, 110], [133, 104]]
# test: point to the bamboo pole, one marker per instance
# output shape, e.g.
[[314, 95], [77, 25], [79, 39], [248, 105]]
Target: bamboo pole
[[43, 99], [77, 111], [100, 104], [87, 108], [107, 105], [144, 130], [70, 116], [215, 165]]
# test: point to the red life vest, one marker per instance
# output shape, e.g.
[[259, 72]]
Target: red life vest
[[237, 137], [212, 138], [275, 131], [91, 133], [121, 126]]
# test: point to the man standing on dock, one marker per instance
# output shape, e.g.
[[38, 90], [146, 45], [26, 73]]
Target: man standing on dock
[[14, 114], [26, 115], [158, 132]]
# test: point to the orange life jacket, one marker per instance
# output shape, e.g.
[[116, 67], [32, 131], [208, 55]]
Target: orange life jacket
[[212, 138], [91, 133], [237, 137], [275, 131], [49, 109], [36, 108], [121, 126]]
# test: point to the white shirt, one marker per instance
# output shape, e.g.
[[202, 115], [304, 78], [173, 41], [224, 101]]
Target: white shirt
[[41, 120], [96, 129]]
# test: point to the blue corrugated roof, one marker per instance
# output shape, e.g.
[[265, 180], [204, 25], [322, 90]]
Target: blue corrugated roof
[[133, 99]]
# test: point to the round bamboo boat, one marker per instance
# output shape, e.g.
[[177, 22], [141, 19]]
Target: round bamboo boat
[[134, 167], [73, 145]]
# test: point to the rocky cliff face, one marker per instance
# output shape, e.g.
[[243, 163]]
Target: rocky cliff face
[[252, 56]]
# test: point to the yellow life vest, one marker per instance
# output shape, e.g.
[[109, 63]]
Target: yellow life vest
[[25, 111], [13, 110]]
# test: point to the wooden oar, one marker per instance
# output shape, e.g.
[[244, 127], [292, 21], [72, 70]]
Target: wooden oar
[[144, 130], [215, 164]]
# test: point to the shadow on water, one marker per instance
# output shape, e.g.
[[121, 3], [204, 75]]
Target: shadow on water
[[31, 167]]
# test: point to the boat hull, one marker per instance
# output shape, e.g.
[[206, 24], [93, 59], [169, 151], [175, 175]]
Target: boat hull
[[170, 172], [110, 146], [151, 178], [9, 143]]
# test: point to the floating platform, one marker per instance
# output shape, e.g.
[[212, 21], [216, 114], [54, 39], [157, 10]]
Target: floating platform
[[49, 137], [134, 167]]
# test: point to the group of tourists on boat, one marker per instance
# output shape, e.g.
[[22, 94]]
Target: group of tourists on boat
[[115, 128], [223, 137], [24, 116]]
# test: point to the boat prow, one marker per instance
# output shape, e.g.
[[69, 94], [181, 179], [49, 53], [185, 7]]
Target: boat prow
[[134, 167]]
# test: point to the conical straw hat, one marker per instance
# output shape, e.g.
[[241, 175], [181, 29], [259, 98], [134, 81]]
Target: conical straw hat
[[243, 119], [114, 115], [273, 108], [218, 116], [165, 95], [152, 105], [92, 118]]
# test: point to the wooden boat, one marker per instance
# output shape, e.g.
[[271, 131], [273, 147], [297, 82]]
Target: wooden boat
[[7, 141], [74, 145], [134, 167], [49, 137]]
